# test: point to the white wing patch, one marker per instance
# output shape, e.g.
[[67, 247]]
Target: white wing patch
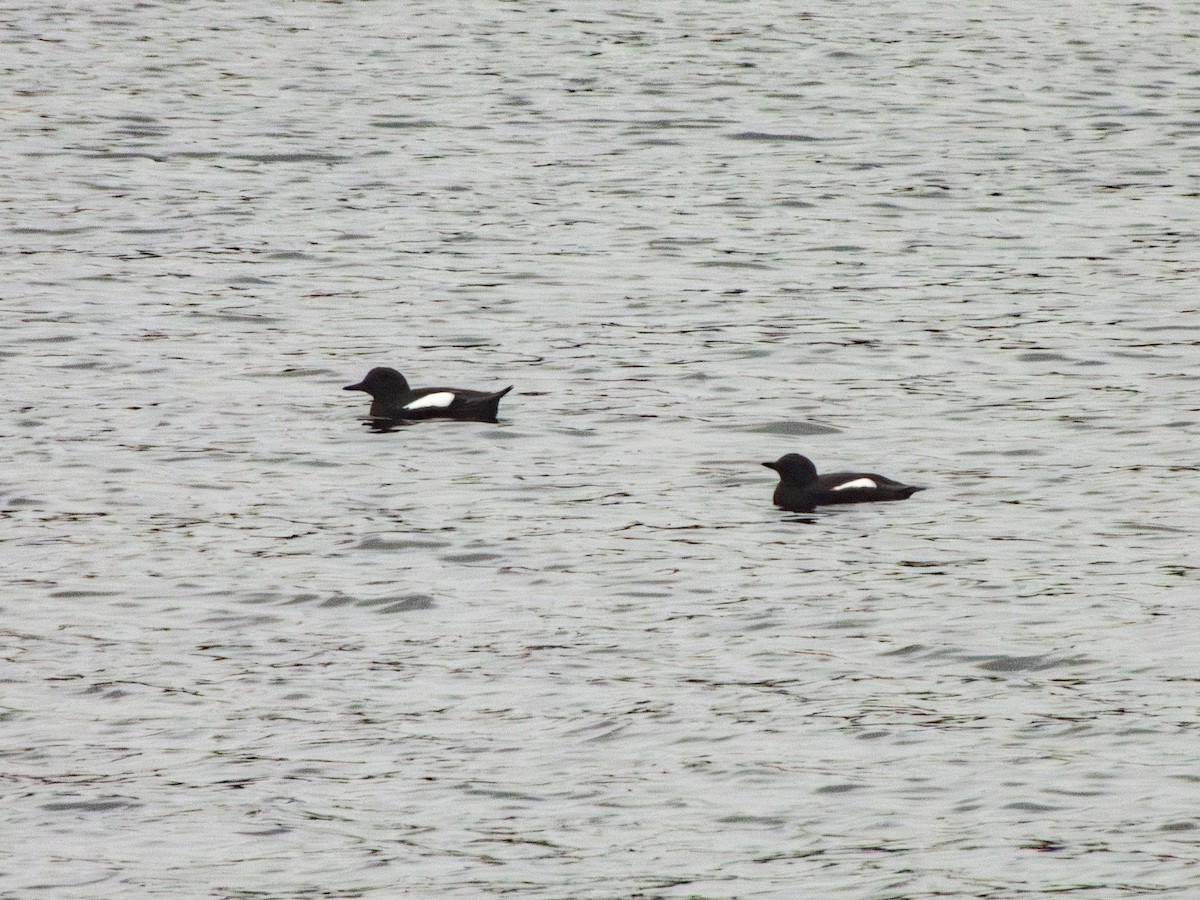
[[440, 400], [856, 483]]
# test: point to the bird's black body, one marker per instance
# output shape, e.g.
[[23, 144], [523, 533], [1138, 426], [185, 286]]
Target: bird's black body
[[394, 402], [800, 488]]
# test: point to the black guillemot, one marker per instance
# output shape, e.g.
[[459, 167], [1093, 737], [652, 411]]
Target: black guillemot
[[800, 488], [394, 402]]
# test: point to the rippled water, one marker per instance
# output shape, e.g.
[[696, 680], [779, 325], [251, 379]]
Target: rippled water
[[251, 649]]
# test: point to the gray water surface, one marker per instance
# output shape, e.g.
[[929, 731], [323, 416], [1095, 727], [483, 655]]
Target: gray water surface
[[253, 650]]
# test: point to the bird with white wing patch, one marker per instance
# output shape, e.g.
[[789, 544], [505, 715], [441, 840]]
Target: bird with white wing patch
[[801, 489], [393, 402]]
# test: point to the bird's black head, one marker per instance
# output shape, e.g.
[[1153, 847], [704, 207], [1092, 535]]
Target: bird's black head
[[381, 381], [794, 468]]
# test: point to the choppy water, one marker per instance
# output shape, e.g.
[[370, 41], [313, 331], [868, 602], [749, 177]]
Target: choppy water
[[252, 650]]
